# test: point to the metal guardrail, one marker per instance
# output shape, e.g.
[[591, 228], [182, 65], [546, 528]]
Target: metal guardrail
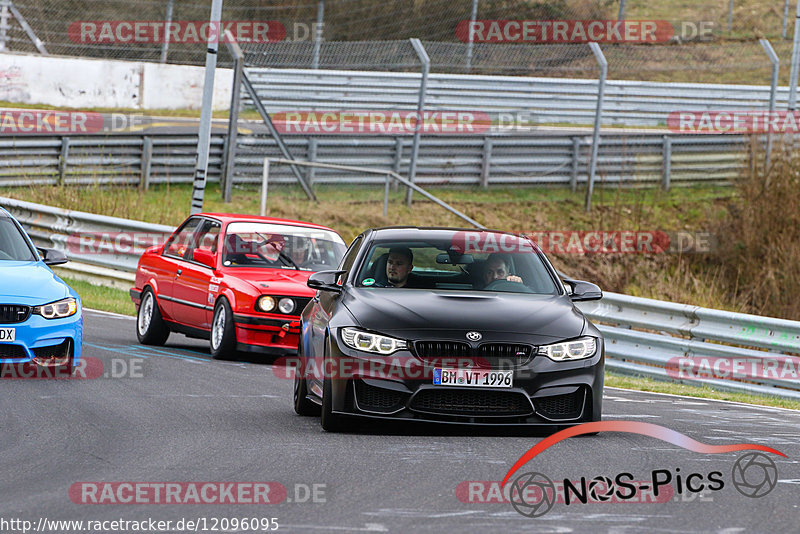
[[678, 333], [547, 100], [485, 160], [643, 337], [115, 243]]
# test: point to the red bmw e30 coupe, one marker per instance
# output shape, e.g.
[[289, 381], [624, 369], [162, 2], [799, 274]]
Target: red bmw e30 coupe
[[237, 280]]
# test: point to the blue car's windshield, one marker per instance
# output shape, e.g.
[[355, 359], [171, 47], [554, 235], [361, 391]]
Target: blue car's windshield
[[448, 266], [13, 246]]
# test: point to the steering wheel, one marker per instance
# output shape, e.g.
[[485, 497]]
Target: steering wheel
[[5, 256], [506, 285]]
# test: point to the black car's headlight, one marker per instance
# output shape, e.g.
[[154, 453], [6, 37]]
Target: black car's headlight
[[58, 310], [577, 349], [368, 342]]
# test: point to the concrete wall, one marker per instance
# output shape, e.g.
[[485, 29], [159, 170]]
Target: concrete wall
[[102, 83]]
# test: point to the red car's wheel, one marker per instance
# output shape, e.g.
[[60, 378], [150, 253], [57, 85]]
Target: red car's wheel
[[223, 331], [150, 326]]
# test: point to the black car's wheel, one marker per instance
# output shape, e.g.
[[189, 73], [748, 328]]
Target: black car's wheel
[[302, 406], [223, 331], [330, 421], [150, 326]]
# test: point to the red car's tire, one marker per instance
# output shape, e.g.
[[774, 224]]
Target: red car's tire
[[223, 331], [150, 326]]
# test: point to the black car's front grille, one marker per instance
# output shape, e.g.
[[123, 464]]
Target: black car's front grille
[[470, 402], [14, 313], [436, 350], [487, 355], [503, 355], [376, 399], [568, 406], [12, 351]]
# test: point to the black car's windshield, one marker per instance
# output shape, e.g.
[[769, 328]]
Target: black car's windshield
[[441, 265], [279, 246], [13, 246]]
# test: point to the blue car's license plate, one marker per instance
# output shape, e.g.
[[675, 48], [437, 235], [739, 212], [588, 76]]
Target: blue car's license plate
[[475, 378], [8, 335]]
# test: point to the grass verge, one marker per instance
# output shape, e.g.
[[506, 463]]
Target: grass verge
[[701, 392]]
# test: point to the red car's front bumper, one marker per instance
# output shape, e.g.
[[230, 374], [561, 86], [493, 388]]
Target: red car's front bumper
[[267, 335]]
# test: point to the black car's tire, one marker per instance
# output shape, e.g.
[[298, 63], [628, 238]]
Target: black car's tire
[[223, 331], [150, 326], [330, 421], [302, 406]]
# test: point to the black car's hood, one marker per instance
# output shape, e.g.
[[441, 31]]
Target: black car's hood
[[400, 310]]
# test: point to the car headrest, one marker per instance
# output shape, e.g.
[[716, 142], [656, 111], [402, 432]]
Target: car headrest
[[378, 269]]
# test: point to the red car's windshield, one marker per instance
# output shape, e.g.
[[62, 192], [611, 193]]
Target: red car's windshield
[[279, 246]]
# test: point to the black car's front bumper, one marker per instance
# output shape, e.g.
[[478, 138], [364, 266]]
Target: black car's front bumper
[[543, 392]]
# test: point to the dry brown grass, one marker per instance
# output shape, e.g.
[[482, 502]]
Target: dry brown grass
[[759, 252]]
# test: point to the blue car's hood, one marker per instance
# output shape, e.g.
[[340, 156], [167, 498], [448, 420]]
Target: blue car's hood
[[30, 283]]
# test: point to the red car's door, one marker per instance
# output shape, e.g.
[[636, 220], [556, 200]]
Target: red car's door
[[170, 263], [192, 301]]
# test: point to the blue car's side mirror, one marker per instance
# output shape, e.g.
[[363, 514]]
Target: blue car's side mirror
[[51, 256]]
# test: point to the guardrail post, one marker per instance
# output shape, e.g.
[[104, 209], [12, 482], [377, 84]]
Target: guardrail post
[[398, 158], [785, 18], [147, 158], [667, 163], [318, 35], [312, 157], [62, 160], [229, 151], [601, 87], [576, 155], [165, 46], [776, 64], [264, 187], [487, 162], [423, 86], [386, 197], [5, 15], [471, 41]]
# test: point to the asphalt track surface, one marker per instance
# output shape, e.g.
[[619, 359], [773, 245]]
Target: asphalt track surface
[[184, 417]]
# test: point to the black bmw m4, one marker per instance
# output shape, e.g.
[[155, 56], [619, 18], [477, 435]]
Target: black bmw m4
[[448, 326]]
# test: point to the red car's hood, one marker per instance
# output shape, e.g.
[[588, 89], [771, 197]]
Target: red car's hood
[[284, 281]]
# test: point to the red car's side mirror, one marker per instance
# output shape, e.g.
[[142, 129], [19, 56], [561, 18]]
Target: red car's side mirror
[[204, 256]]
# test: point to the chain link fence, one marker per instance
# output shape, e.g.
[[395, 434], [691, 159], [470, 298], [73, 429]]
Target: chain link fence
[[350, 28]]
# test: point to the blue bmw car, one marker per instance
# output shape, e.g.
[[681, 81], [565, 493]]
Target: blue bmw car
[[41, 319]]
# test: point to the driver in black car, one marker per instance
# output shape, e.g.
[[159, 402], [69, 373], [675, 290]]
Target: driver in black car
[[398, 266], [498, 267]]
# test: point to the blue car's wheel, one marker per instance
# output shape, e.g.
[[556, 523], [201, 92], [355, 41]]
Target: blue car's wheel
[[150, 326]]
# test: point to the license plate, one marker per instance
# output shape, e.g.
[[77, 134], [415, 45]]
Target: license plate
[[473, 378], [7, 335]]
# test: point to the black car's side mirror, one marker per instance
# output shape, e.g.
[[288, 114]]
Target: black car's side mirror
[[325, 281], [581, 291], [51, 256]]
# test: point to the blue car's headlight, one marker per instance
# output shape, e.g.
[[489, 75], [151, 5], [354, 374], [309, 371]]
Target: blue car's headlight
[[576, 349], [58, 310], [375, 343]]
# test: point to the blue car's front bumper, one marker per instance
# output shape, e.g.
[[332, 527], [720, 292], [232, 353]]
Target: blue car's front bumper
[[40, 337]]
